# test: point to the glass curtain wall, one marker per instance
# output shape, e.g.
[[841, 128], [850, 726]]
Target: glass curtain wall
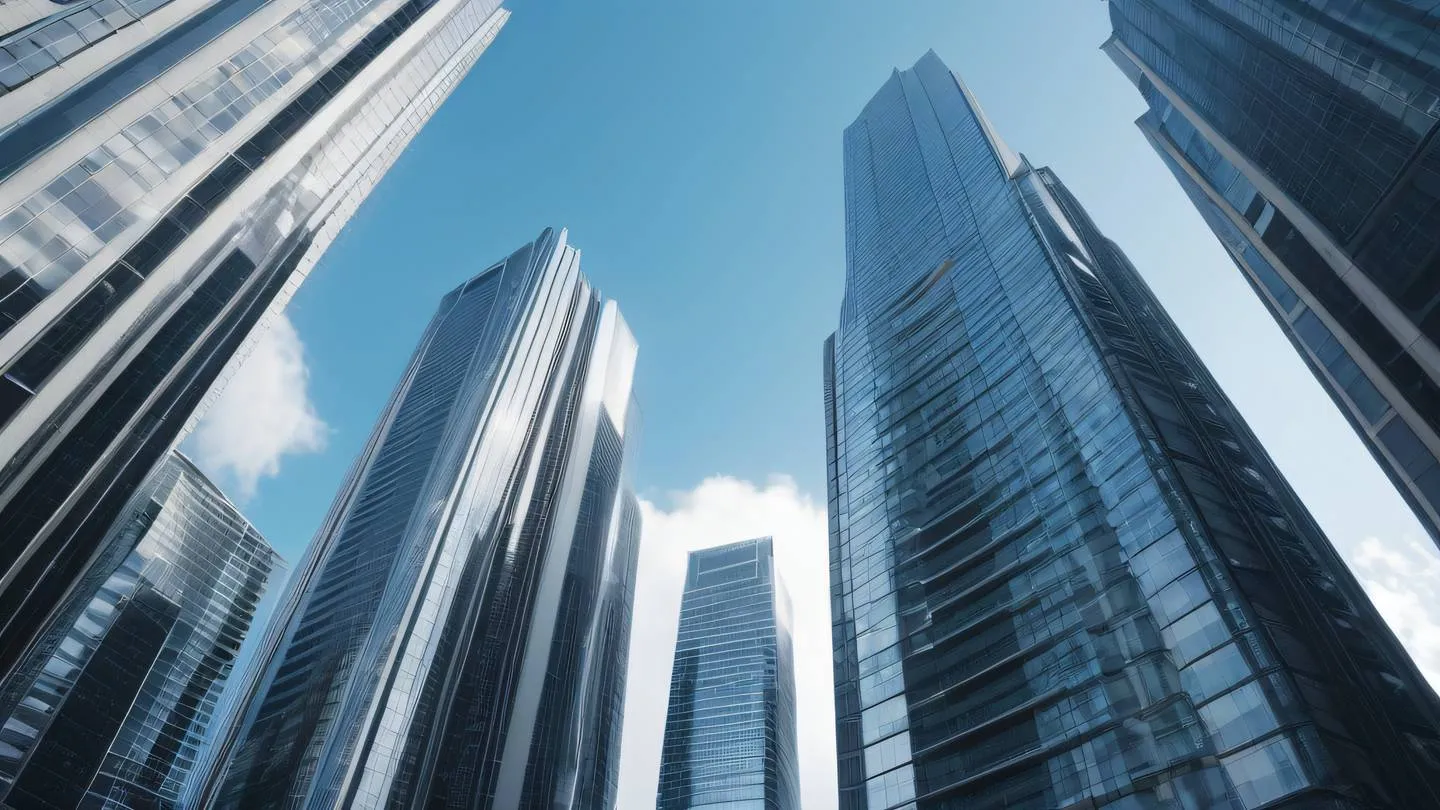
[[1064, 572]]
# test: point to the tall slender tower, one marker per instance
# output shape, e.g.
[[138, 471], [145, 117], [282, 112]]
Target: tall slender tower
[[1065, 574], [1305, 132], [730, 735], [111, 707], [169, 172], [456, 635]]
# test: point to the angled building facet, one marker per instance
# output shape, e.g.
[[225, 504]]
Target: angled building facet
[[112, 706], [730, 733], [169, 173], [457, 633], [1305, 133], [1064, 572]]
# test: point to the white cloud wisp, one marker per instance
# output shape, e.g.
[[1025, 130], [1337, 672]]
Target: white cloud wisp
[[264, 413], [1403, 580], [723, 510]]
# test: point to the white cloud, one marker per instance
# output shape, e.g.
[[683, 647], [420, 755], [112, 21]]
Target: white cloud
[[264, 413], [1403, 580], [722, 510]]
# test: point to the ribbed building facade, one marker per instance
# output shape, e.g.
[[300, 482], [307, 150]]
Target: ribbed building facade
[[169, 173], [457, 634], [113, 704], [1064, 572], [1305, 132], [730, 734]]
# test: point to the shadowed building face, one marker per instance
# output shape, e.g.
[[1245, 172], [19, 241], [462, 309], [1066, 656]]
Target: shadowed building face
[[1304, 132]]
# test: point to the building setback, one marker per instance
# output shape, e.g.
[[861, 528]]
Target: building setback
[[1064, 572], [730, 734], [457, 633], [169, 173], [112, 705], [1304, 132]]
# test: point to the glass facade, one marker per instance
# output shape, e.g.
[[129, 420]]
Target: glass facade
[[112, 705], [730, 735], [1304, 131], [457, 633], [170, 172], [1064, 572]]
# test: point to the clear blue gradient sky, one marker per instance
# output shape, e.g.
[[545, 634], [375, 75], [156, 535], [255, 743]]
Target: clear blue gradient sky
[[693, 149]]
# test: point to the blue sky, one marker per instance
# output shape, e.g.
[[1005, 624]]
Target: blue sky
[[693, 150]]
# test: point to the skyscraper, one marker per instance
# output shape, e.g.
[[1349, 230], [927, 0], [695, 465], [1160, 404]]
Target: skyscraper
[[169, 173], [730, 735], [457, 633], [1305, 134], [111, 706], [1064, 572]]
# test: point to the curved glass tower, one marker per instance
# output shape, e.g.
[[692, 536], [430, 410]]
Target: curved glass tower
[[457, 633], [730, 734], [111, 707], [170, 171], [1064, 572]]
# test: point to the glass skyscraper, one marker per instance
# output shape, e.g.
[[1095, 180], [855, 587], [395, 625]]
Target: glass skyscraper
[[170, 170], [730, 734], [1064, 572], [110, 707], [457, 633], [1305, 132]]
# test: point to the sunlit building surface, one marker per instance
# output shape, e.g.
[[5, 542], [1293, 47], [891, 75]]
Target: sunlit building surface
[[457, 634], [170, 171], [730, 734], [1305, 132], [1064, 572], [112, 705]]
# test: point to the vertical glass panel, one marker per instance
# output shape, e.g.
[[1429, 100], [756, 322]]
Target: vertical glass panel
[[883, 719], [1266, 772]]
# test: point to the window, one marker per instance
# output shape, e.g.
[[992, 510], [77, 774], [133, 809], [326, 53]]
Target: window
[[1215, 673], [1179, 597], [1284, 297], [1343, 369], [1196, 634], [1237, 717], [1266, 772], [890, 789], [883, 719], [1409, 452], [887, 754]]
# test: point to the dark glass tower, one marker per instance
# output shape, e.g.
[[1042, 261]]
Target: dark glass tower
[[1305, 132], [112, 705], [169, 173], [730, 735], [1064, 572], [457, 633]]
